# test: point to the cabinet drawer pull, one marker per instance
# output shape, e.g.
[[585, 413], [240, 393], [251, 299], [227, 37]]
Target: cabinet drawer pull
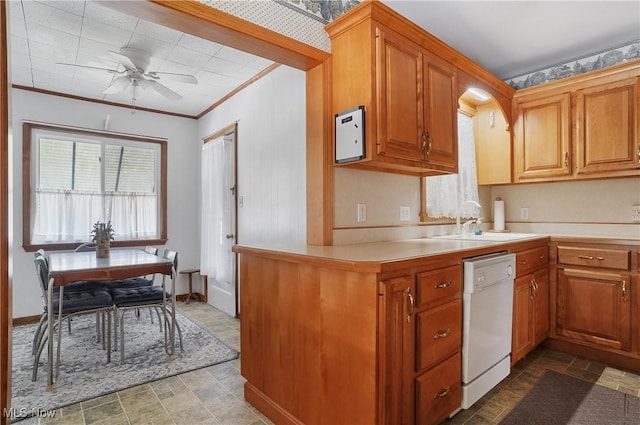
[[442, 285], [411, 305], [590, 257], [624, 290], [541, 257], [442, 334], [428, 143], [442, 393], [524, 262], [566, 160]]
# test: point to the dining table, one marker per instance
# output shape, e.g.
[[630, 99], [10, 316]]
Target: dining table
[[68, 267]]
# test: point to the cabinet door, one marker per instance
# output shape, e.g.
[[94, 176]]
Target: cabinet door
[[396, 348], [607, 127], [595, 308], [400, 97], [441, 114], [522, 336], [540, 306], [541, 138]]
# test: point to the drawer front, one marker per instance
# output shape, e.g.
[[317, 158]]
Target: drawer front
[[439, 286], [531, 259], [594, 257], [439, 334], [439, 392]]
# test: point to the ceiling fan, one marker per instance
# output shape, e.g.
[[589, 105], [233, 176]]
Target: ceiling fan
[[135, 74]]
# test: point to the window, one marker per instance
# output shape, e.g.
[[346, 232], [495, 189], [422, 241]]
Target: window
[[73, 178], [445, 194]]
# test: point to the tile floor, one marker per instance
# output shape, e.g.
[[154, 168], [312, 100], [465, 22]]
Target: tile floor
[[209, 396], [495, 405], [214, 395]]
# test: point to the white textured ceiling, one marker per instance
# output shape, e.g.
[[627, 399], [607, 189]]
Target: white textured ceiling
[[508, 38], [44, 33]]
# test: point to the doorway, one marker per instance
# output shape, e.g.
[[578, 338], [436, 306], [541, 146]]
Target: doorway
[[219, 219]]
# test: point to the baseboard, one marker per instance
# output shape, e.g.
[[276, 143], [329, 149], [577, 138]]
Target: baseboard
[[25, 320], [268, 407], [194, 296]]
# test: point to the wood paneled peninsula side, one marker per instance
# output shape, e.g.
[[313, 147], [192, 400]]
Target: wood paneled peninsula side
[[331, 334]]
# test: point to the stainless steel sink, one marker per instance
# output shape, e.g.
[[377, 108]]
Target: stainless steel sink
[[490, 237]]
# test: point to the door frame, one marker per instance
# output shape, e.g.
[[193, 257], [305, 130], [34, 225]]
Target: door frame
[[231, 128]]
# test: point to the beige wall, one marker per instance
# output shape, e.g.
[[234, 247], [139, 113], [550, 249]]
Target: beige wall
[[587, 208], [594, 207]]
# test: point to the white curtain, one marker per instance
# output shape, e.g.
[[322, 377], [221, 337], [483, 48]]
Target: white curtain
[[68, 216], [215, 247], [446, 193]]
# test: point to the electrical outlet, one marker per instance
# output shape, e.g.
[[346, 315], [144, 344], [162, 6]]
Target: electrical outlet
[[524, 213], [635, 213], [362, 213], [405, 213]]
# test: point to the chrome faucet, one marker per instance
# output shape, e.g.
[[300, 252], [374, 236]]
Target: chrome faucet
[[458, 227]]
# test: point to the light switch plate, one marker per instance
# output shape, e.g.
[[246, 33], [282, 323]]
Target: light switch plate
[[362, 213], [524, 213], [405, 213]]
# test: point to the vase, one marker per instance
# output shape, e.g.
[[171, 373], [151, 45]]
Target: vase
[[102, 250]]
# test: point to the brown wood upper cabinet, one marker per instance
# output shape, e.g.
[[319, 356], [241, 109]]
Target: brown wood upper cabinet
[[607, 119], [542, 137], [409, 95], [582, 127], [416, 104]]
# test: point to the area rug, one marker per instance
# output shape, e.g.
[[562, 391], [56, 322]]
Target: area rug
[[559, 399], [84, 373]]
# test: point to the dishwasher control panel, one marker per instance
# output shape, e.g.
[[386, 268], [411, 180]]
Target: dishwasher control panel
[[487, 270]]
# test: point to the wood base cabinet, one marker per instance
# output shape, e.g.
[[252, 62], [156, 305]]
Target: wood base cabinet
[[595, 313], [530, 302], [327, 339], [594, 307], [421, 342]]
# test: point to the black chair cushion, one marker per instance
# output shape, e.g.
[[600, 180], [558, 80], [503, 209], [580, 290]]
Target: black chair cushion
[[77, 301], [82, 285], [127, 283], [137, 295]]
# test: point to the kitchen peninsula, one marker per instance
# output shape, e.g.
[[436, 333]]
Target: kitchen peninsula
[[342, 334]]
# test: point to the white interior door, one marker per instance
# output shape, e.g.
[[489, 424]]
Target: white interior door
[[217, 261]]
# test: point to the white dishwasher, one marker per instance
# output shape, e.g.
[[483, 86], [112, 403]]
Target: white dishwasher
[[487, 318]]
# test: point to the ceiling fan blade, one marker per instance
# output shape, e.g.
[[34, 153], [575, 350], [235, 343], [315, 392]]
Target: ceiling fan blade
[[118, 85], [132, 58], [114, 71], [124, 60], [180, 78], [159, 88]]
